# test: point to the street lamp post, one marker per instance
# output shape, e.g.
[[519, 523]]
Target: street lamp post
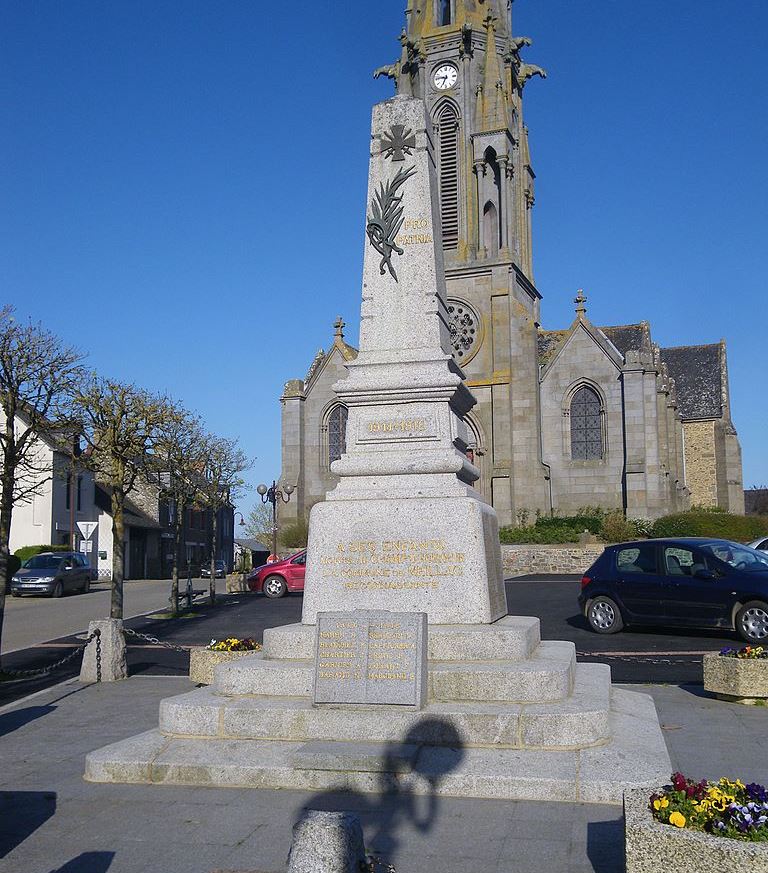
[[274, 495]]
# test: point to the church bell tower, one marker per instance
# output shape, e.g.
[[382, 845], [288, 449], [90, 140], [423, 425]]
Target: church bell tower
[[461, 58]]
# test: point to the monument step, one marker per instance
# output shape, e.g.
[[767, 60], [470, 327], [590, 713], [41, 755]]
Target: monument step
[[511, 638], [546, 676], [579, 721], [635, 756]]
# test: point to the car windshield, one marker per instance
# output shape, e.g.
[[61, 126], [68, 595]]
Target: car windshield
[[43, 562], [740, 557], [220, 565]]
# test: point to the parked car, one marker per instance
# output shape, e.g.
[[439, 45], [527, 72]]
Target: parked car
[[277, 579], [688, 582], [220, 567], [52, 573], [761, 544]]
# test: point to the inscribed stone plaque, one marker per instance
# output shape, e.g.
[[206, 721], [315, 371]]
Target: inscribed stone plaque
[[371, 657]]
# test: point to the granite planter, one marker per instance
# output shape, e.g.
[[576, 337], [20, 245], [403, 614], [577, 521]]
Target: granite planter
[[736, 679], [651, 846], [202, 663]]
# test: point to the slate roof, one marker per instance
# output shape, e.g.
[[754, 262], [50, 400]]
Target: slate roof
[[698, 375], [629, 337], [134, 515], [548, 341]]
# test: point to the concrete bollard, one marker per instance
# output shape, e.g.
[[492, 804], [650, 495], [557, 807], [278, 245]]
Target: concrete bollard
[[327, 842], [112, 644]]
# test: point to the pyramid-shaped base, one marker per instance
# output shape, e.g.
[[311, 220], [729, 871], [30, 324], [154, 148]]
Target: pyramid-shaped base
[[508, 717]]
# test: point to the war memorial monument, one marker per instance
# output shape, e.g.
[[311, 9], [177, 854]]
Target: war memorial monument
[[406, 669]]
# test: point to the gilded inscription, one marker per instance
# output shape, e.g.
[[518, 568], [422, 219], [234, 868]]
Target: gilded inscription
[[417, 232], [392, 565], [401, 425]]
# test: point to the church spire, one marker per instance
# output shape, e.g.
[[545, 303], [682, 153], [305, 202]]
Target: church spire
[[492, 98]]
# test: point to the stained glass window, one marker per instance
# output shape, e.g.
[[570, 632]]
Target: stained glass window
[[337, 433], [586, 426]]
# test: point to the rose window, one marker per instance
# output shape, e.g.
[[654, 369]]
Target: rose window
[[464, 327]]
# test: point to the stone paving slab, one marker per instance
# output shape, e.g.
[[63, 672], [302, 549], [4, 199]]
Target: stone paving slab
[[58, 819]]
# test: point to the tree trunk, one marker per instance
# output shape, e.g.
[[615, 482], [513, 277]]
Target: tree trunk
[[6, 510], [177, 527], [212, 588], [118, 552]]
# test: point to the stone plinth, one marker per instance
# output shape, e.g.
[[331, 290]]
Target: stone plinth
[[652, 846], [736, 679], [203, 662]]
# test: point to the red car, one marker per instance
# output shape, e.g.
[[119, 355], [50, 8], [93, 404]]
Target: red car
[[276, 580]]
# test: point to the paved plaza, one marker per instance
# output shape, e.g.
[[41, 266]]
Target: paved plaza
[[51, 820]]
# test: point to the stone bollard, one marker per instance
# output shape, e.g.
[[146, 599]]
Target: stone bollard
[[327, 842], [113, 662]]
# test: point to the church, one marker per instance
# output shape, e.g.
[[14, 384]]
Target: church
[[584, 416]]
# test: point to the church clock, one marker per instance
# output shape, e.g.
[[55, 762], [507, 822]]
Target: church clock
[[445, 77]]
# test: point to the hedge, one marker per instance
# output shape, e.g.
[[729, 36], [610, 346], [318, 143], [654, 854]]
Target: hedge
[[723, 525], [540, 535], [27, 552], [591, 523]]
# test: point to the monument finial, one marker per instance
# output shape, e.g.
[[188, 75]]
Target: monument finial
[[580, 300], [339, 325]]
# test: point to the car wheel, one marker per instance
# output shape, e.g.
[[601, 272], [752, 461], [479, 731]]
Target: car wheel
[[752, 622], [274, 587], [15, 593], [58, 590], [604, 616]]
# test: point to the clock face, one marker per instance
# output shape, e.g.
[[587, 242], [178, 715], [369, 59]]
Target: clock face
[[445, 77]]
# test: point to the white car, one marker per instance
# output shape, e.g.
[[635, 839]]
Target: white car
[[761, 544]]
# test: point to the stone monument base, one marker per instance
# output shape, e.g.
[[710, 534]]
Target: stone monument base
[[507, 717]]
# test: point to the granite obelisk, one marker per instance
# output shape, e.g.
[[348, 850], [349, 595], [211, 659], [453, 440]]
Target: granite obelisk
[[404, 529]]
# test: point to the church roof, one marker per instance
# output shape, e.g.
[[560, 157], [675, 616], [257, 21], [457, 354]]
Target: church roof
[[629, 337], [698, 375], [549, 340]]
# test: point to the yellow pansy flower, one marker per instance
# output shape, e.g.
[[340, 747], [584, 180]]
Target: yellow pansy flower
[[661, 803], [677, 819]]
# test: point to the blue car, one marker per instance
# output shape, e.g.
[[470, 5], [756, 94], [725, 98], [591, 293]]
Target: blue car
[[688, 582]]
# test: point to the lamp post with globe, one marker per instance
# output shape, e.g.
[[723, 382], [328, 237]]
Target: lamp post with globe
[[274, 495]]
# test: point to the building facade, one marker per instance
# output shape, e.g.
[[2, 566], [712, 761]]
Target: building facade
[[564, 419]]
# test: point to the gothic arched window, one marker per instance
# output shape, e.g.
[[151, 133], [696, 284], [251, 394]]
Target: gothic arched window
[[586, 426], [492, 216], [444, 15], [337, 433], [491, 229], [448, 162]]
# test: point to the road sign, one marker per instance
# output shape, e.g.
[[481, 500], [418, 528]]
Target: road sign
[[87, 528], [86, 547]]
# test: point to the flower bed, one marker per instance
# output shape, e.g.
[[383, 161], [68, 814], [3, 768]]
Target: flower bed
[[738, 675], [203, 660], [692, 827]]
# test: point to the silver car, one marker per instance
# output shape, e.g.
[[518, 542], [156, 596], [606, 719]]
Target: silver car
[[53, 574], [761, 544]]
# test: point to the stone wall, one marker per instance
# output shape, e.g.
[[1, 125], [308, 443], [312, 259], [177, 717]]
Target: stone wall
[[701, 462], [573, 559]]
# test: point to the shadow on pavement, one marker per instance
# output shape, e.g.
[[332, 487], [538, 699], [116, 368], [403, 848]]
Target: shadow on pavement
[[21, 814], [88, 862], [396, 804], [11, 721], [605, 845]]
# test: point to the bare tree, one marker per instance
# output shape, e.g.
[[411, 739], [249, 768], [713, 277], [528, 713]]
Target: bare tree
[[180, 458], [37, 374], [121, 425], [258, 525], [225, 462]]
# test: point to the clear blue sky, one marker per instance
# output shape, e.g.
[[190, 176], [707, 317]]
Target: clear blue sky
[[183, 183]]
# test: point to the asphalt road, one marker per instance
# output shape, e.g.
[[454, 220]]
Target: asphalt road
[[32, 620], [639, 655]]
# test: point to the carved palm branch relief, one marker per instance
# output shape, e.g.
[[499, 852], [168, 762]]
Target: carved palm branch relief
[[386, 219]]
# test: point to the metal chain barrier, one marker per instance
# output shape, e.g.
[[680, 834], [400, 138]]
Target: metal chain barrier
[[42, 671], [154, 640], [641, 659]]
